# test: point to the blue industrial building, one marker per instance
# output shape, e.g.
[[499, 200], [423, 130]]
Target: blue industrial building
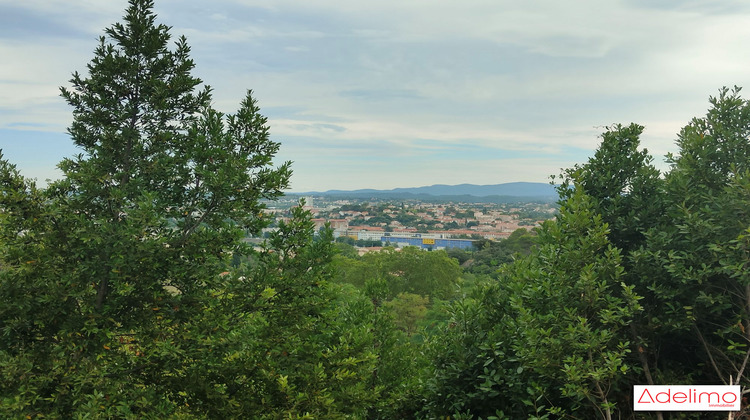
[[427, 243]]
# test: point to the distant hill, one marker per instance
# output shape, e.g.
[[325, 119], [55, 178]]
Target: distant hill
[[507, 192]]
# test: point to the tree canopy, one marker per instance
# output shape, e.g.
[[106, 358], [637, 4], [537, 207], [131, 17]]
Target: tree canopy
[[641, 279]]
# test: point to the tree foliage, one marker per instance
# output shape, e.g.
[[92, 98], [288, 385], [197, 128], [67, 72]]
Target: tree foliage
[[488, 255], [573, 309], [697, 259], [640, 279], [623, 183], [551, 333], [409, 270], [117, 301]]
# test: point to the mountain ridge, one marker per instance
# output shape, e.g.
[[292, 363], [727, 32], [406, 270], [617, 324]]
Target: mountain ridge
[[509, 189]]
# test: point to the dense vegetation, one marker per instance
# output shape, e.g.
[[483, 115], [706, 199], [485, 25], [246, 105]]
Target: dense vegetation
[[126, 290]]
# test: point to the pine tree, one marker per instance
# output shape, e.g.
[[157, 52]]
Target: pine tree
[[105, 275], [161, 174]]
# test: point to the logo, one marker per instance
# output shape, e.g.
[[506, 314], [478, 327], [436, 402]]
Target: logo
[[687, 397]]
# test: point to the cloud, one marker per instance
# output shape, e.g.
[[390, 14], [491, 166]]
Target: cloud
[[385, 175], [69, 18], [405, 86], [29, 82]]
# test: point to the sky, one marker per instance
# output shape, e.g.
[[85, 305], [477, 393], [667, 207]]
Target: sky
[[402, 93]]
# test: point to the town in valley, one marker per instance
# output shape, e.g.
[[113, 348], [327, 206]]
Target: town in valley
[[370, 224]]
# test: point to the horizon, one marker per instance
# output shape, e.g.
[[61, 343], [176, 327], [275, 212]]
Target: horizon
[[416, 187], [369, 96]]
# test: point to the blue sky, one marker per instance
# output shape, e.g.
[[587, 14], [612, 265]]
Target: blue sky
[[385, 94]]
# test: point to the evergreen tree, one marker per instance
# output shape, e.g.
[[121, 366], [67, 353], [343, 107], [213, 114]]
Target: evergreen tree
[[114, 298]]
